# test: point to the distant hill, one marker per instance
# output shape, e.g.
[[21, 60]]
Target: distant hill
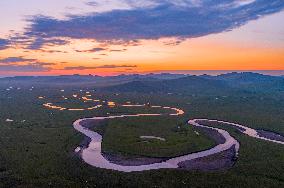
[[62, 78], [247, 77], [189, 84], [253, 81], [86, 80], [162, 83], [151, 76], [80, 78], [206, 84]]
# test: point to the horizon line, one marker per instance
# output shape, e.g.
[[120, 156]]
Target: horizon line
[[180, 72]]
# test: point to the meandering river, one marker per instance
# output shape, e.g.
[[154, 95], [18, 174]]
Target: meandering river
[[93, 156]]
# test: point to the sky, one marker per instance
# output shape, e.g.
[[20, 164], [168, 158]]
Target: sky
[[110, 37]]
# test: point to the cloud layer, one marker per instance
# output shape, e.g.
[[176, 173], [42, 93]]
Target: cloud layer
[[4, 44], [153, 19], [24, 68], [99, 67], [21, 64], [12, 60]]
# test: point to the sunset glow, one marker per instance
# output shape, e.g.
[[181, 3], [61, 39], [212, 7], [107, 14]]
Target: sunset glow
[[254, 44]]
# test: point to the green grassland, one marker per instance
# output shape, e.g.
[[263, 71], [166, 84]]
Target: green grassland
[[123, 136], [39, 151]]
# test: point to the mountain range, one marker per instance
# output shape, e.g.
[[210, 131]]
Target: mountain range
[[163, 83]]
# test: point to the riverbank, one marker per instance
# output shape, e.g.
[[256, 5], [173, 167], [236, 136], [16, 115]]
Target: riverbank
[[93, 154]]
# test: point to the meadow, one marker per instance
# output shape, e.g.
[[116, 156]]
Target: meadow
[[39, 152], [123, 136]]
